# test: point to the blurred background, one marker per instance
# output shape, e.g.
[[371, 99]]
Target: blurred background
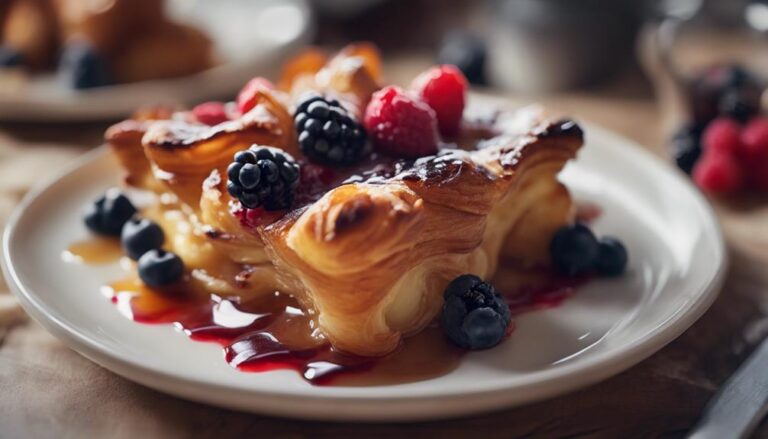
[[67, 61]]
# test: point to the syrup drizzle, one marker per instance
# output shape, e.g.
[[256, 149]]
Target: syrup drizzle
[[93, 251], [273, 333]]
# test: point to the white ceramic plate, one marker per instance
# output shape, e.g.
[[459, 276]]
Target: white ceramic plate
[[251, 37], [677, 261]]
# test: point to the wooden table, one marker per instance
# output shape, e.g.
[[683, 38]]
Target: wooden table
[[47, 390]]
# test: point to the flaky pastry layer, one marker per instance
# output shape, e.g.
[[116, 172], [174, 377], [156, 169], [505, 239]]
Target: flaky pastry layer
[[371, 255]]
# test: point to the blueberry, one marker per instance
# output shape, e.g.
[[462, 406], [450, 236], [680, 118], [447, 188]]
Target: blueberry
[[159, 268], [108, 214], [141, 235], [484, 328], [10, 57], [467, 52], [612, 257], [81, 67], [474, 315], [686, 147], [574, 250]]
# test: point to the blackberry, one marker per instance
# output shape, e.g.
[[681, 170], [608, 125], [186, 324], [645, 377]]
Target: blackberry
[[327, 133], [474, 315], [739, 104], [725, 90], [686, 146], [262, 176]]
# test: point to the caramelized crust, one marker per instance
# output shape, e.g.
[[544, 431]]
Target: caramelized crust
[[373, 258], [370, 255], [184, 154], [125, 141], [351, 76]]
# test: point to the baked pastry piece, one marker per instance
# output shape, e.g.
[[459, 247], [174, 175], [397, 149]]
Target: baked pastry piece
[[31, 27], [370, 250], [135, 37]]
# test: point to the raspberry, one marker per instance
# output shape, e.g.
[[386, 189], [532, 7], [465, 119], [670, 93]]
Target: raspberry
[[754, 138], [756, 173], [246, 99], [444, 88], [722, 135], [211, 113], [758, 180], [718, 173], [400, 124], [753, 153]]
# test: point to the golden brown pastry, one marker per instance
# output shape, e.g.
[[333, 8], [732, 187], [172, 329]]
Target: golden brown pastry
[[371, 252]]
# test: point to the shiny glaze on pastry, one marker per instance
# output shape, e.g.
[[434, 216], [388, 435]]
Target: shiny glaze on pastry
[[367, 250]]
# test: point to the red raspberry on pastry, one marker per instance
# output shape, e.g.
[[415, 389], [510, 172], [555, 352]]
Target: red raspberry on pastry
[[444, 89], [211, 113], [246, 99], [400, 124]]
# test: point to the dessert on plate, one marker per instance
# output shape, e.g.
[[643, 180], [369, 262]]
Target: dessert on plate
[[358, 216], [95, 43]]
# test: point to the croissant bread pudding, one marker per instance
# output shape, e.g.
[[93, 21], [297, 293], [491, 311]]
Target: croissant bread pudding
[[376, 210], [99, 42]]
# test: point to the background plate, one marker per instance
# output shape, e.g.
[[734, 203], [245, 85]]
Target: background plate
[[677, 262], [251, 37]]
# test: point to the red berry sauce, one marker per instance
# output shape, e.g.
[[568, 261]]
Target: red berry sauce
[[273, 333]]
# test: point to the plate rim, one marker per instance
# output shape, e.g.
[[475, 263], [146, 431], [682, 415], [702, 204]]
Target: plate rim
[[547, 383]]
